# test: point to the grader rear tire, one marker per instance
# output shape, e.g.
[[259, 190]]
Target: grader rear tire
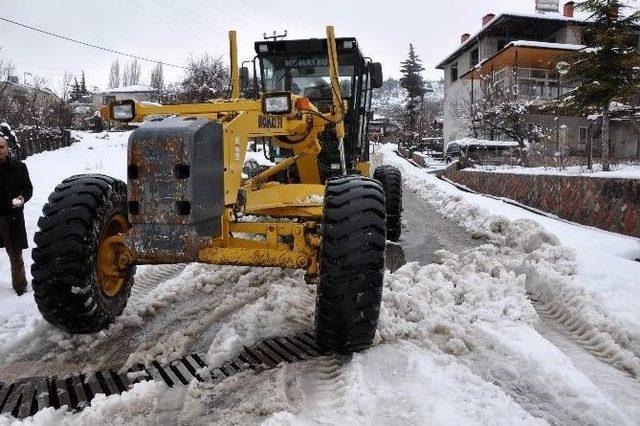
[[351, 264], [391, 180], [70, 289]]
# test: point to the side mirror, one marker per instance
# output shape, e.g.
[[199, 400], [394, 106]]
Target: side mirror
[[244, 77], [375, 71]]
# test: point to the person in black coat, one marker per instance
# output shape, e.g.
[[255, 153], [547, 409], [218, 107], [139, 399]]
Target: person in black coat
[[15, 190]]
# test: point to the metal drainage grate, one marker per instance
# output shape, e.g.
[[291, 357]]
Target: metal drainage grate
[[25, 397]]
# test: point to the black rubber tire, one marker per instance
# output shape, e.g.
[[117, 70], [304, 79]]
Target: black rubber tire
[[351, 264], [391, 180], [65, 282]]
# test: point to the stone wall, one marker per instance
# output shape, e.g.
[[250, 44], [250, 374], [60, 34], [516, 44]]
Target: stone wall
[[606, 203]]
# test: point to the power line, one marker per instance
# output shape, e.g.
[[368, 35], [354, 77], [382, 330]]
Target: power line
[[117, 52]]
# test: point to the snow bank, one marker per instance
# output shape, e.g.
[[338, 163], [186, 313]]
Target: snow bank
[[441, 302], [624, 171], [592, 278]]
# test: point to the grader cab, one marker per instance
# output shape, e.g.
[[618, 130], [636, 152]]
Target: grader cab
[[186, 199]]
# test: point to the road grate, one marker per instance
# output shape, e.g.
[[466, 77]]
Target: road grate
[[25, 397]]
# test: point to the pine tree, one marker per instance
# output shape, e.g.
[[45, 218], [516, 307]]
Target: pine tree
[[83, 85], [75, 90], [607, 70], [415, 86]]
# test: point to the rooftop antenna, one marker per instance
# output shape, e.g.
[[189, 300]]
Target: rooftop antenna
[[275, 36]]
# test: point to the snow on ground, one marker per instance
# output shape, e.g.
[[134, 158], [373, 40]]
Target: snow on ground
[[571, 262], [445, 328], [624, 171]]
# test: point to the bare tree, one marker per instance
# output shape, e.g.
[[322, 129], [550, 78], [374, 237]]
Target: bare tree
[[157, 77], [114, 75], [497, 110], [207, 77]]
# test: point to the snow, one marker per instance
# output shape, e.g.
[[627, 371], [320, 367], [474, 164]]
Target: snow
[[545, 45], [590, 273], [482, 142], [621, 171], [136, 88], [457, 341]]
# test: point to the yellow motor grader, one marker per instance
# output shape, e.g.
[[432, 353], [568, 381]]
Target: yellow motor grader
[[186, 199]]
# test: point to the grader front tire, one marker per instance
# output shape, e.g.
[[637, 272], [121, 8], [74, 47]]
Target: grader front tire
[[71, 290], [351, 264]]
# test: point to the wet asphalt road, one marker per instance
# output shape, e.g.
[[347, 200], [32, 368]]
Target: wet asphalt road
[[426, 231]]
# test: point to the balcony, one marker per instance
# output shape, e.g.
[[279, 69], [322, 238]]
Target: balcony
[[528, 66]]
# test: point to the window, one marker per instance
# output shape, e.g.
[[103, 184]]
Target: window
[[584, 135], [537, 83], [306, 76], [454, 72], [474, 57]]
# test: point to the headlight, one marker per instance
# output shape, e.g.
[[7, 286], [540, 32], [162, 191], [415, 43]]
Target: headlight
[[277, 103], [123, 110]]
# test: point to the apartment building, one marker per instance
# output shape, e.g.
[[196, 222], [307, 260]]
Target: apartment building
[[520, 50]]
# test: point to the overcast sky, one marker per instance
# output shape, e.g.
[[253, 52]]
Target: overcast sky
[[171, 31]]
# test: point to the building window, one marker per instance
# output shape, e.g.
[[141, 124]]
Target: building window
[[584, 134], [454, 72], [474, 58]]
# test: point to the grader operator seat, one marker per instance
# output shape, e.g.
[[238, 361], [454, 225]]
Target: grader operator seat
[[302, 67]]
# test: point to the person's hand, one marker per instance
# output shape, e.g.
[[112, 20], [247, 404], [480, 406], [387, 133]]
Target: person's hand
[[17, 202]]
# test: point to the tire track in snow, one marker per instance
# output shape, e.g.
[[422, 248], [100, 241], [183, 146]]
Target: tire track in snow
[[151, 277], [320, 388], [598, 344]]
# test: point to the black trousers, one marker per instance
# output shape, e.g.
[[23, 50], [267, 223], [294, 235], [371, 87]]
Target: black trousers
[[18, 276]]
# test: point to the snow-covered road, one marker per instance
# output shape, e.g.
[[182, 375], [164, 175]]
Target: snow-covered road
[[460, 341]]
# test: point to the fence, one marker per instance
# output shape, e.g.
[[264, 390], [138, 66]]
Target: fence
[[36, 139]]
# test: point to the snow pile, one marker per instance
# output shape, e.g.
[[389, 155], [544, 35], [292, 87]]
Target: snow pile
[[554, 273], [441, 302]]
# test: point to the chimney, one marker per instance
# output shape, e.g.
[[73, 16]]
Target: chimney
[[464, 37], [569, 8], [487, 18]]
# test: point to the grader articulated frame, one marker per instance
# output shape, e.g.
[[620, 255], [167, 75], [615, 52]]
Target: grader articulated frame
[[186, 200]]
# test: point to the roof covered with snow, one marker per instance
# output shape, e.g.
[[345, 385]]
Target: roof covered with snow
[[504, 18], [136, 88], [545, 45]]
